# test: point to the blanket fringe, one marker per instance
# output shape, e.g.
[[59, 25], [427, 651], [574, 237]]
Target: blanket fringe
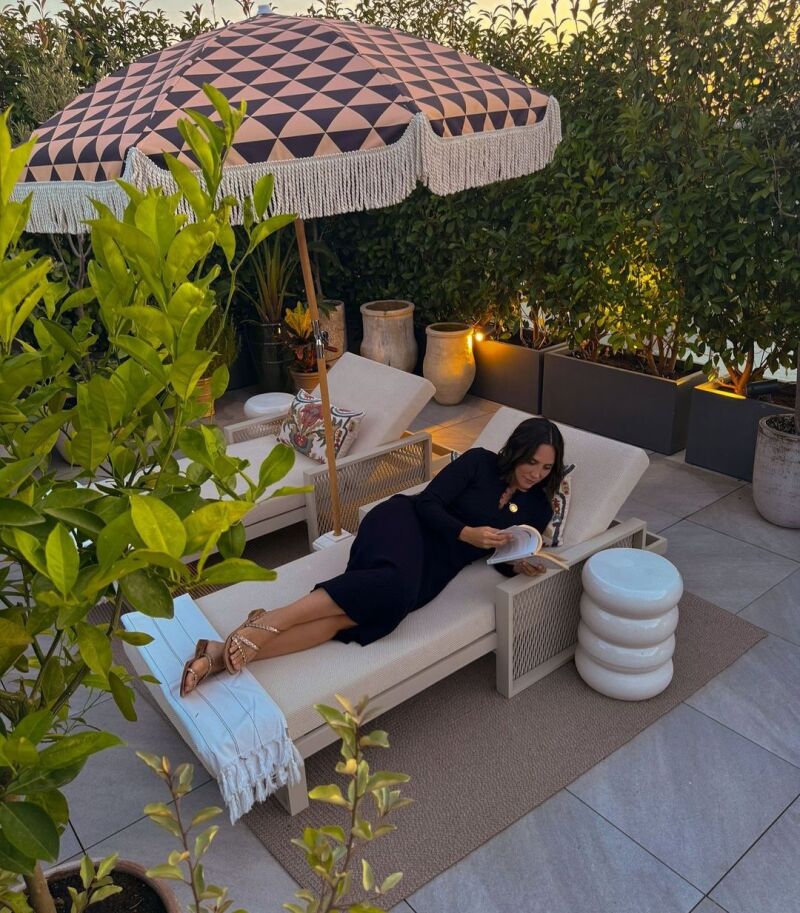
[[256, 777], [330, 184]]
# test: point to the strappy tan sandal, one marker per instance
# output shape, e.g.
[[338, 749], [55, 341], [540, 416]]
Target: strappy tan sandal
[[238, 641], [201, 651]]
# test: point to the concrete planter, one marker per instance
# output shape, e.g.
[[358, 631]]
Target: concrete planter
[[510, 374], [649, 412], [722, 430], [776, 471]]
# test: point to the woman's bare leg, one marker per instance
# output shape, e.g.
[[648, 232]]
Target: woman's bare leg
[[311, 620]]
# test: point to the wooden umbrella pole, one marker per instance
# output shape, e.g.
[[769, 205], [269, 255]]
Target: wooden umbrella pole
[[308, 281]]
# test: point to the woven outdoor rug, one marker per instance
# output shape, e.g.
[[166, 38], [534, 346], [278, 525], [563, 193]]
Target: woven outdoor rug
[[478, 762]]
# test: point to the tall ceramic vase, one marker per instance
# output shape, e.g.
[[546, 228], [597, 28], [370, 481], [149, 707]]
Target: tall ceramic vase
[[449, 363], [389, 333]]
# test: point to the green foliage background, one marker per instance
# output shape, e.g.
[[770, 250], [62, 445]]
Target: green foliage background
[[666, 225]]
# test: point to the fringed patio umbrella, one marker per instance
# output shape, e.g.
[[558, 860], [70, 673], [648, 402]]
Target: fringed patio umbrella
[[345, 116]]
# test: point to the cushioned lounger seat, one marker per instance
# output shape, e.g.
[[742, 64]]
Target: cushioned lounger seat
[[462, 614]]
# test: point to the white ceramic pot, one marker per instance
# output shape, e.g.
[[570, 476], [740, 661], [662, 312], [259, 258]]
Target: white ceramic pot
[[449, 363], [776, 472], [389, 333]]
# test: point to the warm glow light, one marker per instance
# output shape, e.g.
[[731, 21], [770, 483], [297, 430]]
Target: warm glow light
[[479, 335]]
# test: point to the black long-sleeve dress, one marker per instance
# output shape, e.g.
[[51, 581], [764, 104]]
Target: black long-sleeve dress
[[407, 548]]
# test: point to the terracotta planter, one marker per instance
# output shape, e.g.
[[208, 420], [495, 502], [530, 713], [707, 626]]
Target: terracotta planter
[[776, 471], [304, 380], [154, 891], [389, 333], [449, 363]]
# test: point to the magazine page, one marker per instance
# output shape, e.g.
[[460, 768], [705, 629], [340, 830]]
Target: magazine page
[[526, 541]]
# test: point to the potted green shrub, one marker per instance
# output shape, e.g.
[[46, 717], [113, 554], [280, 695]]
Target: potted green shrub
[[272, 268], [67, 544]]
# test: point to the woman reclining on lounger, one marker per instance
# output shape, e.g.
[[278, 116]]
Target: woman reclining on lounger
[[406, 551]]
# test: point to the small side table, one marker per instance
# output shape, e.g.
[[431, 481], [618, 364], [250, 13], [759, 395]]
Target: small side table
[[629, 613], [267, 405]]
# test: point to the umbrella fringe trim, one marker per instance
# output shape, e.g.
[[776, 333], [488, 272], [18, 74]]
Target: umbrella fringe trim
[[331, 184]]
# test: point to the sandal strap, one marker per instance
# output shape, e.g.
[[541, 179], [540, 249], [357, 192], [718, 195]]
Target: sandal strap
[[254, 624]]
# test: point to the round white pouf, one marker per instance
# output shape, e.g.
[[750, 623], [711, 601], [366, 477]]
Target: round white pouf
[[267, 405], [629, 613]]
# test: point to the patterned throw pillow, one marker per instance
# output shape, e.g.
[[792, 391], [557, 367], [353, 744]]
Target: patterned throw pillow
[[553, 536], [304, 429]]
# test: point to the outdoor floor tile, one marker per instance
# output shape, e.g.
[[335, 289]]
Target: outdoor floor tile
[[736, 515], [436, 414], [280, 547], [237, 860], [680, 489], [559, 858], [778, 610], [656, 518], [708, 906], [759, 697], [767, 878], [726, 571], [693, 793], [114, 786]]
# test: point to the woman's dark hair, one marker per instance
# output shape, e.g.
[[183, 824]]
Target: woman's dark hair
[[525, 439]]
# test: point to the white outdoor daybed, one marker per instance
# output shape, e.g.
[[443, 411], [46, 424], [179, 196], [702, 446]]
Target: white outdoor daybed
[[381, 462], [530, 622]]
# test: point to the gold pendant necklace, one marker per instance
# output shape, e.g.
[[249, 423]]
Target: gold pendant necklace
[[513, 507]]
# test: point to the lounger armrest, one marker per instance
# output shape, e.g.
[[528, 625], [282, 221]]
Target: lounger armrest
[[366, 477], [537, 617], [253, 428]]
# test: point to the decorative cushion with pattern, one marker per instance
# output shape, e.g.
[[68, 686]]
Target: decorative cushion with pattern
[[553, 536], [304, 430]]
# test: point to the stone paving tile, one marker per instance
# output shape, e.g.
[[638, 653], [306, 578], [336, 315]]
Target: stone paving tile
[[759, 697], [657, 519], [692, 792], [434, 413], [680, 489], [236, 860], [767, 878], [559, 858], [728, 572], [778, 610], [708, 906], [736, 516], [114, 786]]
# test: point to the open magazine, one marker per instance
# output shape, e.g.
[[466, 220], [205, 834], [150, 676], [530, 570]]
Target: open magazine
[[526, 543]]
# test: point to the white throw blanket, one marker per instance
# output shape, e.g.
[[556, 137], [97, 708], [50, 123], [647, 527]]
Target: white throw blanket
[[235, 728]]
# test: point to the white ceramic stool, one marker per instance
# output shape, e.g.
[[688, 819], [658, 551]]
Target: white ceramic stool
[[267, 405], [629, 613]]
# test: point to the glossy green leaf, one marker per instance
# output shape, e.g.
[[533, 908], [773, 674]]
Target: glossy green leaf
[[62, 558], [29, 829], [147, 593], [159, 526]]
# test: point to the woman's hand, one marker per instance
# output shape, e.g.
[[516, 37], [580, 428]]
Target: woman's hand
[[528, 568], [484, 536]]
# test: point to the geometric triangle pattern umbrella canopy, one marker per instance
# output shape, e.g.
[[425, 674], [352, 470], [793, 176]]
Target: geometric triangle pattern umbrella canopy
[[346, 116]]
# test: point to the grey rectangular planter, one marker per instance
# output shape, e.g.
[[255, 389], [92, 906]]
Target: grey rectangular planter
[[510, 374], [723, 429], [640, 409]]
